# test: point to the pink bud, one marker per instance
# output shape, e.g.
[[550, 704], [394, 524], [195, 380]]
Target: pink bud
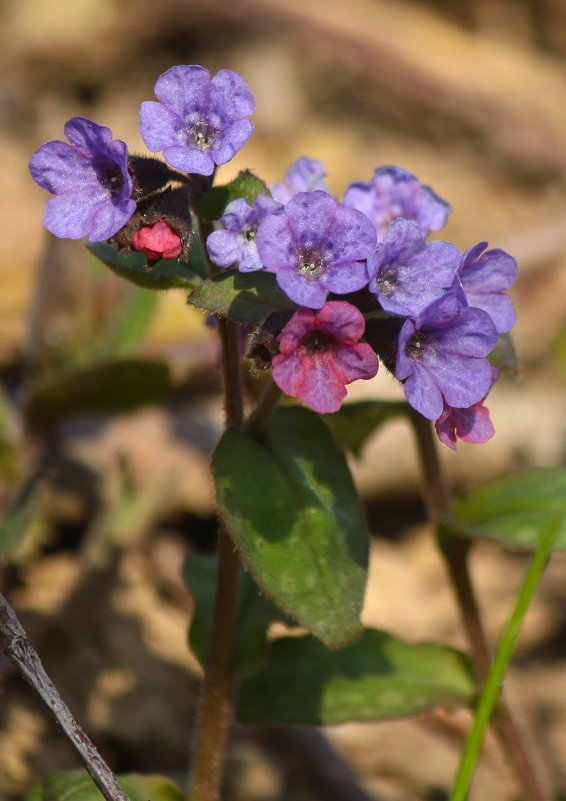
[[158, 241]]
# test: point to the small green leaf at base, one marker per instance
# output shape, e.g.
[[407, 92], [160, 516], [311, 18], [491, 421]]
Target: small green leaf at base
[[513, 510], [292, 508], [246, 185], [378, 678], [166, 274], [242, 297], [76, 785]]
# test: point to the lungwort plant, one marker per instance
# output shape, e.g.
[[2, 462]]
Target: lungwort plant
[[308, 293]]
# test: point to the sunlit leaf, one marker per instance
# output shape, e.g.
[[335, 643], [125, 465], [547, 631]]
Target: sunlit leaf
[[246, 185], [514, 509], [291, 505], [76, 785], [377, 678], [243, 297]]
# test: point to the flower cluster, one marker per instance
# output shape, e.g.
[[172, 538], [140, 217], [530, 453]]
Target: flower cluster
[[363, 267], [450, 306]]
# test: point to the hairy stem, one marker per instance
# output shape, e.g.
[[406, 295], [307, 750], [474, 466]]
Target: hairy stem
[[266, 404], [216, 701], [22, 654], [455, 551]]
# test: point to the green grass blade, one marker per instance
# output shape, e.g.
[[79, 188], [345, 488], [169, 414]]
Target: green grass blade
[[503, 655]]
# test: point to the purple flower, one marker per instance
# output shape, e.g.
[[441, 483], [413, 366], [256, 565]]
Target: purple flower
[[316, 246], [394, 193], [470, 425], [406, 273], [320, 354], [89, 179], [199, 122], [484, 278], [236, 244], [440, 356], [304, 175]]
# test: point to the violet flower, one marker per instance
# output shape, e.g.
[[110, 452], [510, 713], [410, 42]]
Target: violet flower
[[484, 278], [199, 121], [407, 273], [320, 354], [393, 193], [88, 176], [236, 244], [316, 246], [441, 356], [304, 175]]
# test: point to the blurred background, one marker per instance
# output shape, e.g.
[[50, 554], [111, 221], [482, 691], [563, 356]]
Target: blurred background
[[108, 404]]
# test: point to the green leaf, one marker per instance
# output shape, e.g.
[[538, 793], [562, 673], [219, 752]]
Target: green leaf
[[504, 355], [18, 516], [292, 508], [255, 613], [378, 678], [111, 388], [243, 297], [514, 509], [36, 794], [356, 422], [127, 326], [213, 202], [76, 785], [166, 274], [9, 452]]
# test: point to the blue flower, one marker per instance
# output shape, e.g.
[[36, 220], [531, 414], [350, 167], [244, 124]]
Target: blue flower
[[394, 193], [407, 273], [199, 122], [304, 175], [89, 179], [236, 244], [441, 356], [316, 246], [484, 278]]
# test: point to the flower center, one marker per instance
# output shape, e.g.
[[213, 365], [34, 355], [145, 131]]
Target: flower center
[[387, 282], [317, 340], [310, 263], [202, 136], [415, 347], [249, 234], [110, 176]]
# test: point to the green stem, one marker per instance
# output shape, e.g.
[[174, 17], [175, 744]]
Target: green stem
[[501, 661], [266, 404], [455, 551]]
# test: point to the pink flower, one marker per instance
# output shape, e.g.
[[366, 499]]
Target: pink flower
[[158, 241], [469, 425], [320, 354], [472, 424]]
